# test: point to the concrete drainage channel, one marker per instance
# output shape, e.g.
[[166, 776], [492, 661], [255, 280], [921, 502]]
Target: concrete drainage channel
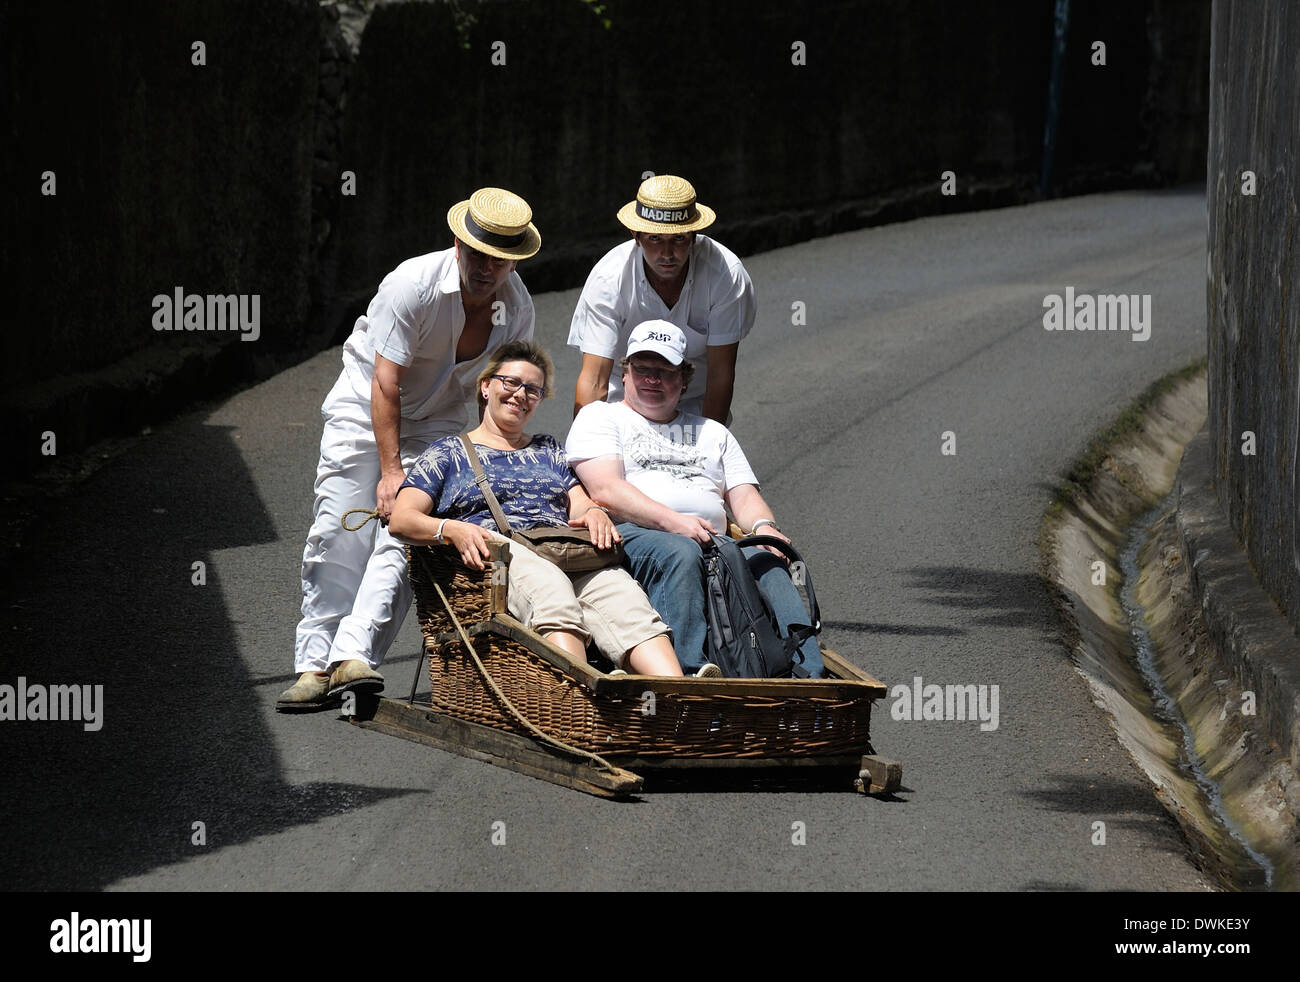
[[1114, 558], [1147, 540]]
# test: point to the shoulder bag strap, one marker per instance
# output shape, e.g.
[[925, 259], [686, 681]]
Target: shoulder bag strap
[[481, 480], [792, 553]]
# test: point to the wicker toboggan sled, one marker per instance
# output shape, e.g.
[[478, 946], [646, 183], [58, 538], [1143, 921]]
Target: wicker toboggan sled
[[500, 693]]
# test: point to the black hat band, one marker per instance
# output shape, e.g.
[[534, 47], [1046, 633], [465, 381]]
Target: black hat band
[[492, 238]]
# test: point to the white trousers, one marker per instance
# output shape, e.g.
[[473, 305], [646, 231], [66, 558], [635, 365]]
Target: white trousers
[[355, 590]]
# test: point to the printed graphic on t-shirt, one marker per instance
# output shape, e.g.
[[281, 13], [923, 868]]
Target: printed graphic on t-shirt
[[656, 449]]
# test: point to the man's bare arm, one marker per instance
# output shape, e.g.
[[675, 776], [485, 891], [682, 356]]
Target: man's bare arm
[[593, 381], [604, 481], [721, 381], [747, 507], [386, 420]]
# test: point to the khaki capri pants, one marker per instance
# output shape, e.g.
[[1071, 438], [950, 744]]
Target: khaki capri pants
[[606, 606]]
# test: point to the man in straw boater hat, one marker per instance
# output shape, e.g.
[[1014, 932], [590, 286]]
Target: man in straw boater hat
[[408, 368], [667, 271]]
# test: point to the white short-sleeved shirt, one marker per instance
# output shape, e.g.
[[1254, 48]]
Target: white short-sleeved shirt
[[416, 320], [716, 307], [687, 464]]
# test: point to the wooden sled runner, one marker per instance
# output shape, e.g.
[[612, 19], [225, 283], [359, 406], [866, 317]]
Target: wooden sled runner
[[502, 694]]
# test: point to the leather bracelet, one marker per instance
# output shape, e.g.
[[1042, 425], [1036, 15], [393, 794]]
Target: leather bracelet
[[760, 523], [441, 540], [601, 507]]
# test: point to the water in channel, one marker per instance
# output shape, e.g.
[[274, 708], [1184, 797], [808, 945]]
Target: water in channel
[[1251, 870]]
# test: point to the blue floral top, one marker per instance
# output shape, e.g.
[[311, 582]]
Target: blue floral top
[[531, 483]]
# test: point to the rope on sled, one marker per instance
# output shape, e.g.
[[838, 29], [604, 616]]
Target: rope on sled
[[487, 677], [370, 513], [373, 514]]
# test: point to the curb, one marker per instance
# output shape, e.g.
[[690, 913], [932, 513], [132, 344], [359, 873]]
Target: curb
[[1241, 620]]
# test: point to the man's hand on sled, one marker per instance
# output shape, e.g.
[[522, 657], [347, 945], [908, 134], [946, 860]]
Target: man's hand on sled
[[597, 521], [470, 540], [776, 533], [386, 492]]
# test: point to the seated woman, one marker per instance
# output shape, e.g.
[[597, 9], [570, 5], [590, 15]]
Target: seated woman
[[441, 503]]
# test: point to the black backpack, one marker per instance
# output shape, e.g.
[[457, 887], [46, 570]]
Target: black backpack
[[744, 640]]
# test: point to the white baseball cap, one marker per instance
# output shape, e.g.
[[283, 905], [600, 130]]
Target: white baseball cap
[[661, 337]]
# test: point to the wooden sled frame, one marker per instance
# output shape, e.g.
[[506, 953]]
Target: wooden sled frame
[[501, 693]]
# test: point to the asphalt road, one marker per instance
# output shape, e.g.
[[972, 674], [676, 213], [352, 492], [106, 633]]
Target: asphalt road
[[925, 565]]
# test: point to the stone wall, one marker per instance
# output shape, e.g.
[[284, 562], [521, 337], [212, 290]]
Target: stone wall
[[166, 174], [227, 178], [1254, 269], [886, 98]]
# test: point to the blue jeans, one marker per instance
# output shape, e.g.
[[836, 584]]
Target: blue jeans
[[774, 583], [670, 568]]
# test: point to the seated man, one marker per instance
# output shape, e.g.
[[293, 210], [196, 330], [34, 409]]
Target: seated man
[[666, 476]]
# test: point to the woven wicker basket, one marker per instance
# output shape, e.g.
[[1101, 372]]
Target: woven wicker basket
[[636, 716]]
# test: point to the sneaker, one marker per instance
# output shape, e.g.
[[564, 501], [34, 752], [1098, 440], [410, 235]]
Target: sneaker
[[709, 671], [354, 675], [615, 671], [311, 691]]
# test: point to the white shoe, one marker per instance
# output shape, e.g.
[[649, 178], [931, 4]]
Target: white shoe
[[709, 671]]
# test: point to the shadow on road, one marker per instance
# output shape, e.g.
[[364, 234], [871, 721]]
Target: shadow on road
[[986, 598], [993, 598], [908, 630], [1121, 805], [106, 594]]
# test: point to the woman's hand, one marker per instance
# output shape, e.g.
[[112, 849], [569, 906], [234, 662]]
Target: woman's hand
[[596, 521], [470, 540]]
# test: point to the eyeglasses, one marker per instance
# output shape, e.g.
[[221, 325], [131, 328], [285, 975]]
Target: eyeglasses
[[532, 393], [649, 371]]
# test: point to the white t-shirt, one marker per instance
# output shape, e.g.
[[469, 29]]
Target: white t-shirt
[[687, 464], [716, 307], [416, 320]]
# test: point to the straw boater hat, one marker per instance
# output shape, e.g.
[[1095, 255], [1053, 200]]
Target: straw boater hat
[[496, 222], [666, 205]]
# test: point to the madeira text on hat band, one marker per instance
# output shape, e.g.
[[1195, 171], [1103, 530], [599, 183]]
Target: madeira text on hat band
[[492, 238], [676, 215]]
